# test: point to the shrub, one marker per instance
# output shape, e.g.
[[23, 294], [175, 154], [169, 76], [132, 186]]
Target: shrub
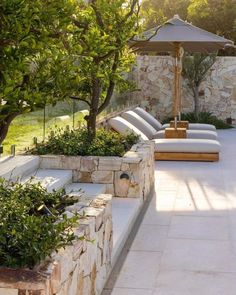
[[203, 117], [32, 223], [73, 143]]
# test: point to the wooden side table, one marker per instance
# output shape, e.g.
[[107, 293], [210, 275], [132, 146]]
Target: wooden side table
[[180, 124], [175, 133]]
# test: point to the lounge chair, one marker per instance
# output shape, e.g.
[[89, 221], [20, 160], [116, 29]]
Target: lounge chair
[[158, 126], [152, 133], [173, 149]]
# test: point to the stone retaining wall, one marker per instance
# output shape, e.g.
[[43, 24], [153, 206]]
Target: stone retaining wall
[[129, 176], [154, 78], [80, 269]]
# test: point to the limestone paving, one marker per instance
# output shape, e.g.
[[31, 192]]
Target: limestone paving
[[186, 242]]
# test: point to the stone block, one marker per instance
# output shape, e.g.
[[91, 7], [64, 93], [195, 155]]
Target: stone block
[[122, 184], [101, 236], [89, 164], [135, 191], [73, 281], [101, 279], [124, 166], [66, 262], [131, 157], [80, 284], [7, 291], [109, 163], [72, 163], [110, 189], [54, 273], [77, 249], [102, 177], [81, 176], [50, 162], [87, 286]]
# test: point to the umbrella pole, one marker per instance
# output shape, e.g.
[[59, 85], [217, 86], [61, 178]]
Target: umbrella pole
[[180, 68], [177, 83], [176, 89]]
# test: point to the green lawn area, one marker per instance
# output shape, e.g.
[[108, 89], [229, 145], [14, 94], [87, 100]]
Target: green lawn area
[[25, 127]]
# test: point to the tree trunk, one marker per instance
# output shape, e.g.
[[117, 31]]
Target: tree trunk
[[196, 101], [4, 126], [91, 119]]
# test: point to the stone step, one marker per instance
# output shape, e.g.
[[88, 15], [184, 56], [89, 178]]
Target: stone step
[[89, 189], [124, 214], [18, 167], [52, 179]]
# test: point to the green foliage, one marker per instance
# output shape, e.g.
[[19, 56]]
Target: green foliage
[[31, 51], [203, 117], [196, 66], [99, 52], [216, 16], [70, 49], [73, 143], [156, 12], [32, 223]]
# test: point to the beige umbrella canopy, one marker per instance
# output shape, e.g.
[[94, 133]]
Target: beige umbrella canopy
[[178, 36]]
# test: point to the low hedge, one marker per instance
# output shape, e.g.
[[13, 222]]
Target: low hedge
[[73, 143], [202, 117], [32, 223]]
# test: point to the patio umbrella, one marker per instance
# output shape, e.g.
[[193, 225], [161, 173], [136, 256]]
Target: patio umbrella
[[177, 36]]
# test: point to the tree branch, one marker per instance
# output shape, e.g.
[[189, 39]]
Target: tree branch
[[111, 85], [98, 14], [81, 99], [132, 8], [79, 24]]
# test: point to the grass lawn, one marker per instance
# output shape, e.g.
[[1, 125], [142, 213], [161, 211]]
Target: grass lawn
[[25, 127]]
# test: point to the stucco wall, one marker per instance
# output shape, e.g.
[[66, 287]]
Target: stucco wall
[[154, 78]]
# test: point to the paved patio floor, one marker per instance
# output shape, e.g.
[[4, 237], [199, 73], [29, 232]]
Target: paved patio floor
[[185, 244]]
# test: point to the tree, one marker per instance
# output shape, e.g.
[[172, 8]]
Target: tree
[[31, 49], [195, 69], [156, 12], [99, 54], [216, 16]]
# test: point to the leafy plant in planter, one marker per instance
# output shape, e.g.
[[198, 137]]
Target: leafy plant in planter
[[73, 143], [32, 223]]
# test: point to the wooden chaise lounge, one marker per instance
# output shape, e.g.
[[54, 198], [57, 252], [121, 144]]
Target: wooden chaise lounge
[[204, 150]]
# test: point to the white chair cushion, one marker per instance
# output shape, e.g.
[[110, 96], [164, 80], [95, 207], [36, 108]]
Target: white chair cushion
[[197, 134], [123, 127], [139, 123], [149, 118], [196, 126], [187, 146]]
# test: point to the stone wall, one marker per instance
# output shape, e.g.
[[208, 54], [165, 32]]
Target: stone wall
[[129, 176], [154, 78], [80, 269]]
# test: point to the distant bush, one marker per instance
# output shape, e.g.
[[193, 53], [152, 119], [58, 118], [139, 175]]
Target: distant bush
[[203, 117], [32, 223], [73, 143]]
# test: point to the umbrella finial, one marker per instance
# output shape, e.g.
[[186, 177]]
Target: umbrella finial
[[176, 16]]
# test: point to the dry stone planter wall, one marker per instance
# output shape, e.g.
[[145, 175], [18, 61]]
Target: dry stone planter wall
[[83, 268], [154, 78], [80, 269], [129, 176]]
